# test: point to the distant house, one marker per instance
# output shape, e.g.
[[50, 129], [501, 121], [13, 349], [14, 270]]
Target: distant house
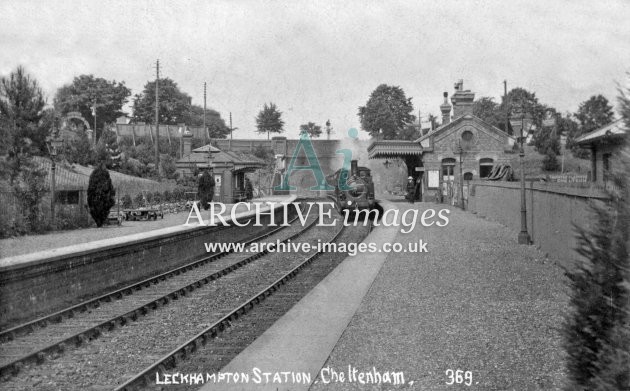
[[604, 143]]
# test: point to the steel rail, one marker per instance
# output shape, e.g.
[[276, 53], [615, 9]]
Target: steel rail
[[56, 317], [94, 332], [170, 360]]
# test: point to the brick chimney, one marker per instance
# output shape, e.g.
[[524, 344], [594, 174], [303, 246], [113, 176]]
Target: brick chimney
[[446, 110], [462, 100]]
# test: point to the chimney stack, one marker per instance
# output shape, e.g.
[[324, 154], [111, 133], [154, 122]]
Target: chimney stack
[[354, 167], [446, 110], [462, 101]]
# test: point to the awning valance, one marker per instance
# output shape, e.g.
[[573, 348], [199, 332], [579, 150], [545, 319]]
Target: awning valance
[[388, 149]]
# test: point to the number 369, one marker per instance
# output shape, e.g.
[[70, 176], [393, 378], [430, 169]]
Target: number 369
[[459, 377]]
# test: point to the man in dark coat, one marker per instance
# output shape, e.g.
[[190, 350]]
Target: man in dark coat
[[411, 190]]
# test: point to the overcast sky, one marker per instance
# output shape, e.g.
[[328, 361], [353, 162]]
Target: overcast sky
[[320, 60]]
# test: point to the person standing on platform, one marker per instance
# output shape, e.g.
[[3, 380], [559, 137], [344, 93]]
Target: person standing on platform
[[418, 191], [411, 190]]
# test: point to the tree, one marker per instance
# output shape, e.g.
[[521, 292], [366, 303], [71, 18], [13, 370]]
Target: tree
[[269, 120], [597, 330], [312, 129], [520, 100], [216, 125], [87, 91], [386, 112], [174, 104], [594, 113], [100, 195], [571, 129], [29, 188], [489, 111], [206, 189], [410, 132], [21, 110]]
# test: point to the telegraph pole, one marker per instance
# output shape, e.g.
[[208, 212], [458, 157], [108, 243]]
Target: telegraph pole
[[204, 112], [505, 102], [157, 118], [231, 130]]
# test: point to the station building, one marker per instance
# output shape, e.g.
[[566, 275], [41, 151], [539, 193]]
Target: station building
[[462, 149], [605, 144]]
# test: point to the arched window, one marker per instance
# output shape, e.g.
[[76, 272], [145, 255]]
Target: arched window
[[468, 176], [485, 167], [448, 169]]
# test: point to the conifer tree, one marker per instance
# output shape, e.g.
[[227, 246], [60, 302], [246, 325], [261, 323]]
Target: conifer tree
[[100, 195], [597, 330]]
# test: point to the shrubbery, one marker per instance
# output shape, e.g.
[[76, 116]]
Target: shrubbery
[[100, 195], [206, 189], [597, 330]]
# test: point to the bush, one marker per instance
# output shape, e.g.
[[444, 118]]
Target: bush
[[167, 196], [29, 189], [206, 189], [126, 201], [100, 195], [550, 162], [596, 331], [157, 197], [138, 200], [149, 197]]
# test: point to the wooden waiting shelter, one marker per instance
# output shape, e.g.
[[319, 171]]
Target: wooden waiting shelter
[[228, 168]]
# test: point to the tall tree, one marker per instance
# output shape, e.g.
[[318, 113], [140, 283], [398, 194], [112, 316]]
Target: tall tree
[[93, 96], [489, 111], [269, 120], [174, 104], [594, 113], [21, 110], [216, 125], [313, 130], [386, 112], [522, 101], [100, 195], [597, 328]]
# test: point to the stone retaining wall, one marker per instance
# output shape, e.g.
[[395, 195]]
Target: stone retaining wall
[[552, 210], [44, 282]]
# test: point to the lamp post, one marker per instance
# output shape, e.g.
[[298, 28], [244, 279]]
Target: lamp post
[[524, 122], [53, 143]]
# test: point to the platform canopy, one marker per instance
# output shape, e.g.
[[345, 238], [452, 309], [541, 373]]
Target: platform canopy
[[389, 149]]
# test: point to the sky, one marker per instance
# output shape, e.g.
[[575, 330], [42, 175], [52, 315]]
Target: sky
[[319, 60]]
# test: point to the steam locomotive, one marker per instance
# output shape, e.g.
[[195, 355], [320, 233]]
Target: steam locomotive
[[361, 192]]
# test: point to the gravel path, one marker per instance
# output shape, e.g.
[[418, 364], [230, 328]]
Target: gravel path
[[32, 243], [476, 302]]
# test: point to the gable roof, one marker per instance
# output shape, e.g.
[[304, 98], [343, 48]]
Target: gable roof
[[613, 129], [457, 121], [240, 160]]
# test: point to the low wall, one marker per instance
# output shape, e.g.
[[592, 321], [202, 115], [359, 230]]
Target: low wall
[[38, 283], [551, 212]]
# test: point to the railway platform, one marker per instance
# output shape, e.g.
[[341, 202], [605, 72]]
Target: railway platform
[[476, 311]]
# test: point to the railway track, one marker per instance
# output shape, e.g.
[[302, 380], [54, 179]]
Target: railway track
[[117, 357], [246, 322], [50, 336]]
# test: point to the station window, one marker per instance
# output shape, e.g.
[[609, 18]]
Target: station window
[[485, 167], [448, 169]]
